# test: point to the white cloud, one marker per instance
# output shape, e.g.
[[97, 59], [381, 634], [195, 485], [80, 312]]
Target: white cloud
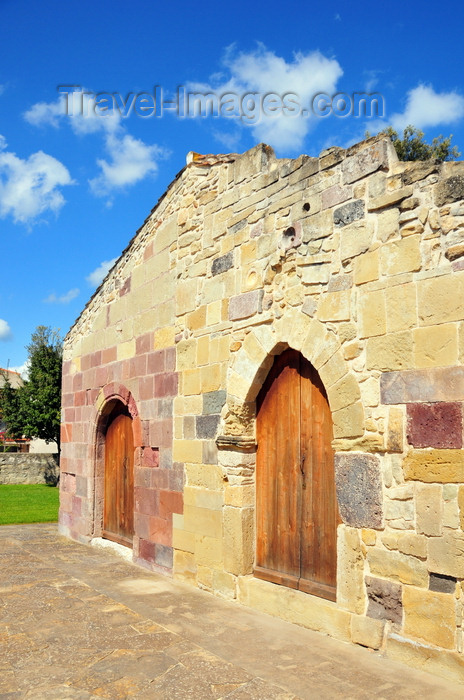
[[77, 108], [425, 107], [99, 274], [63, 299], [5, 330], [130, 161], [30, 187], [262, 72]]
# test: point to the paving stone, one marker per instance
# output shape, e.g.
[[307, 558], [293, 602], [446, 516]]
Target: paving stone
[[99, 627]]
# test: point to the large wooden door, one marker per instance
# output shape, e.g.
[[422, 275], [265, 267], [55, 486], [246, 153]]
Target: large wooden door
[[296, 505], [118, 518]]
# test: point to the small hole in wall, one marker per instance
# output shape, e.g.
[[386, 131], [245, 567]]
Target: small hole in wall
[[289, 234], [306, 206]]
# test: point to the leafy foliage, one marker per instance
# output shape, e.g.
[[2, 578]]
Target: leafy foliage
[[412, 145], [34, 409]]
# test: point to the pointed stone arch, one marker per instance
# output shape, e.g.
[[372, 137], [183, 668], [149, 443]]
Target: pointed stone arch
[[250, 365]]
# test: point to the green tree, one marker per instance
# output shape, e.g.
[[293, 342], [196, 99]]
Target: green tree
[[34, 409], [412, 146]]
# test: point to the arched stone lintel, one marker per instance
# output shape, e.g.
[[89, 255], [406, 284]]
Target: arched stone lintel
[[108, 395], [320, 346]]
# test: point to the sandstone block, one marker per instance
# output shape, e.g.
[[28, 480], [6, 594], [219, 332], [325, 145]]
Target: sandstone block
[[446, 554], [398, 567], [395, 440], [436, 346], [359, 489], [367, 631], [238, 540], [349, 422], [401, 256], [184, 566], [406, 543], [366, 267], [335, 306], [355, 239], [401, 307], [387, 200], [429, 509], [350, 570], [390, 352], [295, 606], [441, 299], [345, 392], [387, 224], [461, 506], [432, 466], [372, 313], [430, 616], [367, 161]]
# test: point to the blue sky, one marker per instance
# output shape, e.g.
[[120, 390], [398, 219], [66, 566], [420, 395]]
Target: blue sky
[[74, 189]]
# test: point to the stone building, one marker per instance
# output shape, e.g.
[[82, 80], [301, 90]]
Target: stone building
[[264, 397]]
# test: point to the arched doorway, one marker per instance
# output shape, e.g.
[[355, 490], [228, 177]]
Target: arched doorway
[[118, 508], [296, 506]]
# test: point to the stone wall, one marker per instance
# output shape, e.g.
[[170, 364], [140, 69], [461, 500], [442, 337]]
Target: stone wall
[[23, 468], [355, 260]]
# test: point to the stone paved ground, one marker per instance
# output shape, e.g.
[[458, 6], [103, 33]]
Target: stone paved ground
[[80, 622]]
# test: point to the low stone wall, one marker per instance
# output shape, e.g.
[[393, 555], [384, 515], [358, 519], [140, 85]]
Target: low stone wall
[[19, 468]]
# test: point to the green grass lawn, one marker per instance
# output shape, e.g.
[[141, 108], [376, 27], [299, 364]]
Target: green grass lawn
[[28, 503]]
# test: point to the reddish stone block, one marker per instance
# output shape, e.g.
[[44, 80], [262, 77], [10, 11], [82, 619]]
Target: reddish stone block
[[156, 362], [86, 362], [109, 355], [95, 359], [161, 531], [166, 384], [66, 367], [88, 378], [150, 457], [148, 252], [76, 506], [436, 425], [126, 287], [146, 501], [137, 432], [138, 366], [170, 361], [77, 382], [101, 376], [146, 388], [160, 478], [161, 433], [67, 483], [142, 476], [67, 400], [142, 525], [144, 343], [79, 398], [146, 550], [66, 432], [170, 502]]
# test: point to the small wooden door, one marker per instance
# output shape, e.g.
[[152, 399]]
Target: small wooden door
[[296, 505], [118, 517]]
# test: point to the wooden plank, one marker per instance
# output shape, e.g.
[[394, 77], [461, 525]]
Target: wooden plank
[[278, 468], [118, 516]]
